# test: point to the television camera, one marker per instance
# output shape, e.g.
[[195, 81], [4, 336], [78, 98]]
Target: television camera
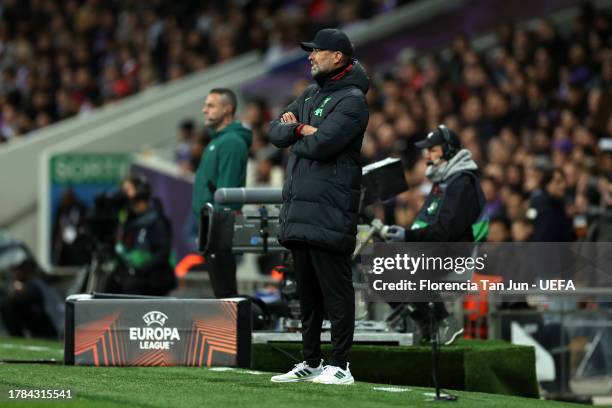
[[256, 231]]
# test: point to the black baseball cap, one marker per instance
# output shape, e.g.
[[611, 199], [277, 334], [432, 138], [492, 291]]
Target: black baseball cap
[[436, 138], [330, 39]]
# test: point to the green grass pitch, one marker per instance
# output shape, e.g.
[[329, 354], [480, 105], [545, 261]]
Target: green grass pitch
[[195, 387]]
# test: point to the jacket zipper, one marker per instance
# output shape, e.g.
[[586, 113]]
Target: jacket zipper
[[313, 107], [290, 199]]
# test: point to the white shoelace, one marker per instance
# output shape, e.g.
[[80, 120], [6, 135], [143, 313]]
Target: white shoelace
[[328, 370], [300, 366], [328, 367]]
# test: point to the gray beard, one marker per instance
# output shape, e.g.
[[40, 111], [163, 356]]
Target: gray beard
[[320, 74]]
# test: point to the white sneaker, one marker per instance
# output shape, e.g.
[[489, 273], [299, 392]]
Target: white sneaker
[[335, 375], [300, 372]]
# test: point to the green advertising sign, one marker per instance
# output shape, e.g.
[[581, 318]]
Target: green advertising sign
[[92, 168]]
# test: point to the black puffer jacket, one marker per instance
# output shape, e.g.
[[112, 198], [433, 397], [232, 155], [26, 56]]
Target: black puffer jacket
[[551, 223], [321, 191]]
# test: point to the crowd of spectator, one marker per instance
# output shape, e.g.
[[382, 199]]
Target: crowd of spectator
[[535, 111], [62, 58]]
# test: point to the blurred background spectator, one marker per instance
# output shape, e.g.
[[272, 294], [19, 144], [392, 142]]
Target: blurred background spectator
[[62, 58], [533, 109], [69, 246], [532, 114], [535, 103]]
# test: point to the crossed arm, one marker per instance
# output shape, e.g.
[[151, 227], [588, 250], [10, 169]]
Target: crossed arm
[[305, 130], [335, 134], [286, 130]]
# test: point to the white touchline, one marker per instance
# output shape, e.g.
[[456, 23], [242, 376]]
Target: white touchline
[[30, 348], [251, 372], [390, 389]]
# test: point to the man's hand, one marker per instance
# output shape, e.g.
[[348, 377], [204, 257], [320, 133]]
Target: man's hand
[[288, 117], [305, 130], [308, 130]]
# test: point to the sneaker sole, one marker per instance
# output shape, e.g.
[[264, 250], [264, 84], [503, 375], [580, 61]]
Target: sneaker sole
[[346, 382], [292, 380], [454, 338]]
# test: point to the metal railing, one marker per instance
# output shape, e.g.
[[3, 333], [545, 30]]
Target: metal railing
[[571, 335]]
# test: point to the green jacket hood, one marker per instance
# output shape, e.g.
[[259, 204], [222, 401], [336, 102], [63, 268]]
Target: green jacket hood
[[236, 128]]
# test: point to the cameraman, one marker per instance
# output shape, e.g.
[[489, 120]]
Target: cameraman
[[28, 304], [144, 243], [452, 212]]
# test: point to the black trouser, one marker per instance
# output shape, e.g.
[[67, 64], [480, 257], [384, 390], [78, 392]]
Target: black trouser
[[222, 274], [324, 283]]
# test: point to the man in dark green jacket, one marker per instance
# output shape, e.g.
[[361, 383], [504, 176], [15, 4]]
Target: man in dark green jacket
[[223, 164]]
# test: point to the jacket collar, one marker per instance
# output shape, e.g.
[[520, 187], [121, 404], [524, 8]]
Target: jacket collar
[[334, 75]]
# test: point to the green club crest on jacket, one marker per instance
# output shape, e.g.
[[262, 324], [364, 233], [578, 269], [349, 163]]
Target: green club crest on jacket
[[319, 110]]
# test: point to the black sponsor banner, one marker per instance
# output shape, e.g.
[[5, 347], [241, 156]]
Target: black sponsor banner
[[158, 332]]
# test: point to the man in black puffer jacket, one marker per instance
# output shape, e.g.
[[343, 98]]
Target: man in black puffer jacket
[[324, 128]]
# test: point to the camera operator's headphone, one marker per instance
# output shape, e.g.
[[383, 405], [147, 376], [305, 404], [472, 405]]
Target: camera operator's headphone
[[141, 186], [449, 147]]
